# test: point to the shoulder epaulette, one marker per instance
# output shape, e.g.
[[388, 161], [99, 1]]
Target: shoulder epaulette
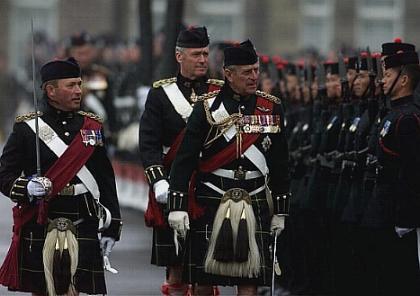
[[91, 115], [27, 116], [216, 81], [267, 96], [208, 95], [162, 82]]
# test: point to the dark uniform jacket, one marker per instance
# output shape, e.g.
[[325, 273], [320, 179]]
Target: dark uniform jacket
[[19, 157], [18, 163], [197, 130], [398, 156], [159, 127], [161, 123], [272, 145]]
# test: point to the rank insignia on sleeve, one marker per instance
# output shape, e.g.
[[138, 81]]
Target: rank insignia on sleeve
[[92, 137]]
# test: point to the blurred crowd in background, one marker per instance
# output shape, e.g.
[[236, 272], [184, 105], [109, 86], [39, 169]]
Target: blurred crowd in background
[[115, 87]]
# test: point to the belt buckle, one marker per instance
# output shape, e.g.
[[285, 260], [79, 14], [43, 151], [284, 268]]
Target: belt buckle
[[236, 195], [68, 190], [239, 174]]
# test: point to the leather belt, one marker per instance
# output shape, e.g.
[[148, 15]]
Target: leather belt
[[238, 174], [74, 189], [222, 192]]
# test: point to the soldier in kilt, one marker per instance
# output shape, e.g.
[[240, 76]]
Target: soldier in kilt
[[168, 106], [226, 195], [55, 247]]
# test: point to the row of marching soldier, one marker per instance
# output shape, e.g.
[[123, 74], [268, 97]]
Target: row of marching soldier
[[353, 140]]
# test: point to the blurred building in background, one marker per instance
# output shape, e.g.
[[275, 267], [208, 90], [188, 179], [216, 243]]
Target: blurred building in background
[[275, 26]]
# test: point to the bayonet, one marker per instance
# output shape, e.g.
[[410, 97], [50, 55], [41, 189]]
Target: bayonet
[[345, 91], [371, 73], [342, 69], [309, 74], [359, 62], [320, 73], [310, 78], [300, 74], [369, 63], [379, 74]]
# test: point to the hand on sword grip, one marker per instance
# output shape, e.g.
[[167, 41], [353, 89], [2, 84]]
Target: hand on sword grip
[[39, 187]]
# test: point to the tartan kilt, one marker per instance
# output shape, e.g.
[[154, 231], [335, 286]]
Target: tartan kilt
[[163, 248], [89, 277], [198, 239]]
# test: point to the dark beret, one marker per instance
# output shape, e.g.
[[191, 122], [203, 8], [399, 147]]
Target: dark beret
[[60, 69], [401, 59], [241, 54], [193, 37]]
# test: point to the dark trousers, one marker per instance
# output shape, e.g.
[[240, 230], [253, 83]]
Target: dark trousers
[[408, 265]]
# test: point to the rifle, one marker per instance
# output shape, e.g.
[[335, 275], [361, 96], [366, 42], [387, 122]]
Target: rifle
[[345, 89], [381, 97], [372, 74], [310, 79], [300, 74], [322, 89]]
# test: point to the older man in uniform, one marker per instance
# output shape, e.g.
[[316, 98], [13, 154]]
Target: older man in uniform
[[168, 106], [55, 247], [238, 191]]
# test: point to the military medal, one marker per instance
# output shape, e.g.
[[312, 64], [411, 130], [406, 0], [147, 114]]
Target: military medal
[[260, 124], [385, 128], [354, 125], [330, 125], [91, 137], [266, 143]]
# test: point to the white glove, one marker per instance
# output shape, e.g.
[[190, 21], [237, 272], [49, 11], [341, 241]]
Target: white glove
[[402, 231], [161, 189], [107, 243], [39, 186], [179, 221], [277, 224]]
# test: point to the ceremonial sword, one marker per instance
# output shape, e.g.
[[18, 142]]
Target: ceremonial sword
[[38, 154]]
